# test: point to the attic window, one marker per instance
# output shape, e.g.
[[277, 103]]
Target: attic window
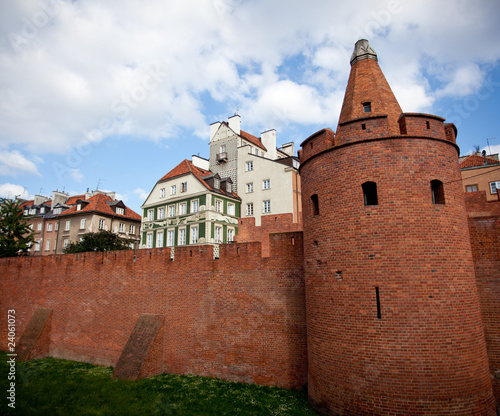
[[228, 187], [370, 193], [216, 183], [367, 107], [120, 211], [79, 207]]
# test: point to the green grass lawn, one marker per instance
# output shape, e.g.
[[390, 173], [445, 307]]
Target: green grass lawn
[[59, 387]]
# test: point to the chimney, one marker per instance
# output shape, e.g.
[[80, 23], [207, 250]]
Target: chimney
[[235, 123], [58, 197], [213, 129], [288, 148], [268, 139], [200, 162]]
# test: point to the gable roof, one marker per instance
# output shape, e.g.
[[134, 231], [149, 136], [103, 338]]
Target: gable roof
[[477, 160], [252, 139], [100, 203], [187, 167]]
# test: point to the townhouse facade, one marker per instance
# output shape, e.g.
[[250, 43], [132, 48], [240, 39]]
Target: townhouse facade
[[200, 201], [190, 205], [481, 172], [64, 219], [265, 177]]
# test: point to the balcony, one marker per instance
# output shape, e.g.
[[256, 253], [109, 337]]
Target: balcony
[[221, 157]]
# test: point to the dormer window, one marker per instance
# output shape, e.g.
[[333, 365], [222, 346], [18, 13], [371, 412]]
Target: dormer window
[[120, 211], [42, 210], [79, 207], [57, 210], [216, 183], [367, 107]]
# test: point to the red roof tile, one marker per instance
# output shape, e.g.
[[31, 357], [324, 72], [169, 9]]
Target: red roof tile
[[99, 203], [252, 139], [72, 199], [477, 160], [187, 167]]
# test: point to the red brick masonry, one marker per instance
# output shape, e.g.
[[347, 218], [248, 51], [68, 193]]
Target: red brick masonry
[[240, 317]]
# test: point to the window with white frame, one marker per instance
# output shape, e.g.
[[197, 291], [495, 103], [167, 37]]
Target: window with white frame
[[57, 226], [159, 239], [494, 186], [161, 213], [184, 187], [83, 223], [42, 210], [230, 209], [249, 166], [182, 236], [47, 244], [68, 225], [32, 211], [218, 234], [120, 211], [250, 208], [267, 206], [249, 188], [149, 240], [131, 229], [78, 207], [37, 245], [162, 193], [121, 227], [65, 242], [39, 226], [151, 215], [173, 190], [57, 210], [183, 209], [194, 234], [195, 205], [230, 234], [101, 224], [26, 212], [266, 184], [31, 226], [216, 183], [218, 205], [223, 148], [171, 210], [49, 226], [170, 238]]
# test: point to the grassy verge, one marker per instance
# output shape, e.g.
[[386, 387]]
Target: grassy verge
[[59, 387]]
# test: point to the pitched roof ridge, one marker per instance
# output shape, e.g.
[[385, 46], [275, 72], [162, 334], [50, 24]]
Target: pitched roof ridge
[[477, 160]]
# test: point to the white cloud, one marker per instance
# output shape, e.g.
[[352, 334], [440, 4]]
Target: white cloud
[[88, 67], [141, 193], [13, 163], [9, 190], [76, 175]]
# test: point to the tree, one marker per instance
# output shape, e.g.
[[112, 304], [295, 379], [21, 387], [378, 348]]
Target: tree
[[15, 233], [100, 241]]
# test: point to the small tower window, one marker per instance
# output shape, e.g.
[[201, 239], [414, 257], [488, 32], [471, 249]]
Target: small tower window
[[437, 191], [370, 193], [367, 107], [315, 204]]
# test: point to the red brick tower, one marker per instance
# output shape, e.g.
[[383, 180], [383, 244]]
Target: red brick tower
[[393, 319]]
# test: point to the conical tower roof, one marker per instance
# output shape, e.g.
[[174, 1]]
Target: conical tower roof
[[368, 93]]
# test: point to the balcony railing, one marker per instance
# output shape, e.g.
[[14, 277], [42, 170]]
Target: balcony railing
[[222, 157]]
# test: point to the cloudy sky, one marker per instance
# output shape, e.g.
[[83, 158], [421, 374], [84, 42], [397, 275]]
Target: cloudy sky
[[112, 94]]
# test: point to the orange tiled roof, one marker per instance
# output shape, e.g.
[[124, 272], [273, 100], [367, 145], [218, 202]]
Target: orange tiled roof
[[72, 199], [99, 203], [477, 160], [187, 167], [252, 139]]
